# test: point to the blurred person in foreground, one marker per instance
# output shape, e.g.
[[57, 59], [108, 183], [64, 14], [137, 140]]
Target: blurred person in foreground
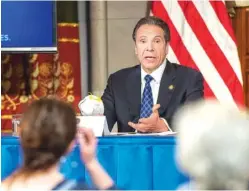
[[213, 146], [47, 132]]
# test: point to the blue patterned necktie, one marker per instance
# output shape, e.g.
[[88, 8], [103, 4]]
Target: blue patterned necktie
[[147, 100]]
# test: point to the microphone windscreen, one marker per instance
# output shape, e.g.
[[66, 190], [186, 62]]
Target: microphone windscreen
[[91, 105]]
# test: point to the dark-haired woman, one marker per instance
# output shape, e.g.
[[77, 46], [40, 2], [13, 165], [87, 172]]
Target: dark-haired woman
[[47, 132]]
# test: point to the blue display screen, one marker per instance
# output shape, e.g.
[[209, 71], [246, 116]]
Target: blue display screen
[[28, 26]]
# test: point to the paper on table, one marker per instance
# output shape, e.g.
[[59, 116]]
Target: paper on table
[[145, 134], [97, 123]]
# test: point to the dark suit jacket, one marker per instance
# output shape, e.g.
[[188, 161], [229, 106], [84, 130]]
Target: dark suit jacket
[[122, 96]]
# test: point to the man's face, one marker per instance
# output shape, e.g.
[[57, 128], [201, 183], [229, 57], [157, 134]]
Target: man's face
[[150, 47]]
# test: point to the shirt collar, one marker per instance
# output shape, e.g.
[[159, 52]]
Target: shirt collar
[[156, 74]]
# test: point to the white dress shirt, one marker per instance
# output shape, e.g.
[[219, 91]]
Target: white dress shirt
[[155, 84]]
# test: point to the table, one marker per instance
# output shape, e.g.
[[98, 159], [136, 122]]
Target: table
[[134, 162]]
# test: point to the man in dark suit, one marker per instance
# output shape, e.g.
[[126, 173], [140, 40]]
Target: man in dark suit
[[145, 97]]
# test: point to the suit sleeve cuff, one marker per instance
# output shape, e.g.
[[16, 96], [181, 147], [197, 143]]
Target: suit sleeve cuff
[[166, 123]]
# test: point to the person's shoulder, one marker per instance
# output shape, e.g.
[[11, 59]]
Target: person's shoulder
[[3, 186], [186, 186], [185, 70], [125, 71], [11, 184], [71, 184], [5, 183]]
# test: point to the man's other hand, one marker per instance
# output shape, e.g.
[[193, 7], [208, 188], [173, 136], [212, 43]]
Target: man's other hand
[[152, 124]]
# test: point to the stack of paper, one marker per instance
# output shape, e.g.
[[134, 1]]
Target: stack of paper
[[145, 134]]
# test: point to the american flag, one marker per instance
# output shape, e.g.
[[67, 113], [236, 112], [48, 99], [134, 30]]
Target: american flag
[[202, 38]]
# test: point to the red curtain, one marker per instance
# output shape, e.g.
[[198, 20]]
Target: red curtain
[[47, 74]]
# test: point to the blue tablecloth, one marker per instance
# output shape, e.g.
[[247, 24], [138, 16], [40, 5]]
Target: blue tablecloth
[[138, 163]]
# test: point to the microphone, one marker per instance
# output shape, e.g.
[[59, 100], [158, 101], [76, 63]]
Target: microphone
[[91, 105], [92, 111]]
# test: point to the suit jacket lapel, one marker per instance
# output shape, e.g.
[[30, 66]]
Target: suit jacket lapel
[[167, 87], [133, 90]]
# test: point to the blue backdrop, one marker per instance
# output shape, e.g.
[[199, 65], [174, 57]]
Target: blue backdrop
[[28, 24]]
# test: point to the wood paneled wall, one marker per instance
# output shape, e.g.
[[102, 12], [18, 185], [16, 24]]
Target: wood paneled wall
[[241, 28]]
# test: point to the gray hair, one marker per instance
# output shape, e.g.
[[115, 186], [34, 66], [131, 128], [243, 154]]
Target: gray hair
[[151, 20], [213, 145]]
